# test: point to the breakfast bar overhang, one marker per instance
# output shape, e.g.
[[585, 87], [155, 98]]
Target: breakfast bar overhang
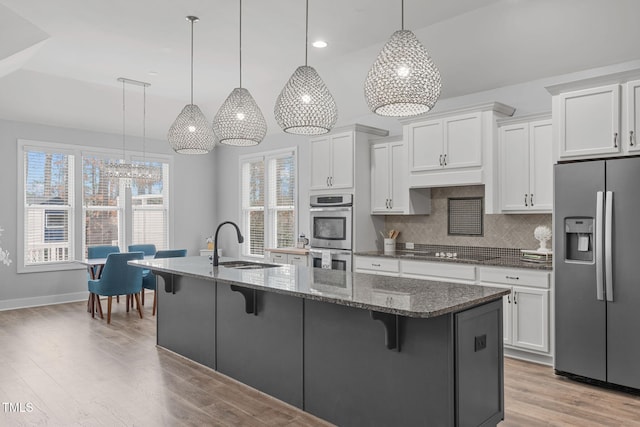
[[354, 349]]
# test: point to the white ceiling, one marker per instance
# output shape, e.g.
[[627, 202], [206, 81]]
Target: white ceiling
[[69, 79]]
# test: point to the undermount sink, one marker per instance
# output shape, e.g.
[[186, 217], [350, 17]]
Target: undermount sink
[[246, 265]]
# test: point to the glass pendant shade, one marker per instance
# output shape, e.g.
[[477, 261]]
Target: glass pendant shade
[[239, 120], [190, 133], [403, 80], [305, 106]]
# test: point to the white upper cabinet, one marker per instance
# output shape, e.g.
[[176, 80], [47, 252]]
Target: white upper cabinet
[[526, 165], [633, 116], [590, 122], [457, 147], [390, 192], [453, 142], [332, 161], [597, 117]]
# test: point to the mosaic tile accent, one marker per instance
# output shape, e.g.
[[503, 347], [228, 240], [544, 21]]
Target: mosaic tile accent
[[500, 231]]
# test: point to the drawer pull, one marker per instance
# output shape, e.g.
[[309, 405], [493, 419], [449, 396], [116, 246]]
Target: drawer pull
[[375, 265], [512, 277]]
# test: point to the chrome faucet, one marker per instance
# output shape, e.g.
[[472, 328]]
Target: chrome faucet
[[215, 240]]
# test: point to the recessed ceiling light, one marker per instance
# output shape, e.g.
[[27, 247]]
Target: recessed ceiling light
[[153, 73], [319, 44]]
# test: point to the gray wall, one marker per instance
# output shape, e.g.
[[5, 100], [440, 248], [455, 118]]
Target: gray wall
[[193, 186]]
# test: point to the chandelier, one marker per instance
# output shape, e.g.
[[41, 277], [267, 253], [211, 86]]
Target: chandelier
[[403, 80], [128, 171]]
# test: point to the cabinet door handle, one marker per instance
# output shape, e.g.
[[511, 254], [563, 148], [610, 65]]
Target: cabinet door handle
[[327, 181], [615, 139], [631, 138], [531, 199], [390, 203], [525, 199], [331, 180], [444, 158], [512, 277], [440, 159], [508, 299], [515, 300]]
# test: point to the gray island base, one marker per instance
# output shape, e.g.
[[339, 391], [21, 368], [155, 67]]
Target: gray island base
[[353, 349]]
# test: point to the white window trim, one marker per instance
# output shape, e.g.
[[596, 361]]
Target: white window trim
[[75, 233], [265, 156]]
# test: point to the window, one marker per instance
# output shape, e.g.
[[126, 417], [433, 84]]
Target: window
[[150, 206], [102, 206], [268, 201], [48, 206], [108, 211]]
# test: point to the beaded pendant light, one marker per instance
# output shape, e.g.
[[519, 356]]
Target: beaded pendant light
[[403, 81], [191, 133], [305, 106], [239, 120]]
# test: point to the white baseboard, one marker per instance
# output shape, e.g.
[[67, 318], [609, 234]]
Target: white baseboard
[[541, 359], [12, 304]]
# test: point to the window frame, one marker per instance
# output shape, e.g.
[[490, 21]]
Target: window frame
[[268, 233], [76, 211]]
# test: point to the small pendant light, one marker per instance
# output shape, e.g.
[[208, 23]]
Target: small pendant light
[[305, 105], [403, 81], [239, 120], [191, 133]]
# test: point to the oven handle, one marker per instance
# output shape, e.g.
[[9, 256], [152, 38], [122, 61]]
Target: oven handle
[[332, 209], [333, 252]]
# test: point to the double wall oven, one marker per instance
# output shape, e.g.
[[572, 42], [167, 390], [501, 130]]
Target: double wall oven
[[331, 231]]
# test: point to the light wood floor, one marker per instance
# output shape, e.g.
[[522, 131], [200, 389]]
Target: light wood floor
[[75, 370]]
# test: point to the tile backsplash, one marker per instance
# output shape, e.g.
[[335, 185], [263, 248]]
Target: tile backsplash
[[500, 231]]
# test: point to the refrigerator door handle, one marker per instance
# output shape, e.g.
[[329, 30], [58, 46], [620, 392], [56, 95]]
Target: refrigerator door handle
[[599, 246], [608, 247]]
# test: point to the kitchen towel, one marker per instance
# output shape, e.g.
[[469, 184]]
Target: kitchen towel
[[326, 260]]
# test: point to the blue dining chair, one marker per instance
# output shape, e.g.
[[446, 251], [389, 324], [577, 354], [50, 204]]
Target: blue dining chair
[[94, 252], [117, 278], [149, 281], [147, 249]]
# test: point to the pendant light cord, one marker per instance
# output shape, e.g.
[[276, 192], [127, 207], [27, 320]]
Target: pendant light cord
[[144, 124], [306, 35], [192, 21], [402, 13], [123, 121], [240, 41]]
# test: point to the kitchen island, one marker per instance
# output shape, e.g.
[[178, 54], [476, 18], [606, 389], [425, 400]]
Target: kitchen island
[[354, 349]]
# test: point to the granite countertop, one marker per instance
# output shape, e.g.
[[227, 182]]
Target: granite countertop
[[395, 295], [481, 260]]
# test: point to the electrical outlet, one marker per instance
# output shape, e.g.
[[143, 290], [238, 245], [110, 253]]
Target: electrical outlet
[[481, 342], [408, 245]]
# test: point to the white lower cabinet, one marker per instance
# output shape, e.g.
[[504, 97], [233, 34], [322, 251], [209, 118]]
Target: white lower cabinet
[[526, 309], [285, 258], [377, 265]]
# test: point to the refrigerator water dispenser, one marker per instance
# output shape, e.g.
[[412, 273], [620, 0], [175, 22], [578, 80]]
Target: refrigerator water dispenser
[[579, 239]]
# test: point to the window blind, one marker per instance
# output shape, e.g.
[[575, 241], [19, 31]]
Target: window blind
[[48, 206], [282, 186], [253, 198], [150, 208]]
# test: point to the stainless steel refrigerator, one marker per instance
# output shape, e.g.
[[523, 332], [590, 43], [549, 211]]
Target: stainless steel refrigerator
[[597, 270]]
